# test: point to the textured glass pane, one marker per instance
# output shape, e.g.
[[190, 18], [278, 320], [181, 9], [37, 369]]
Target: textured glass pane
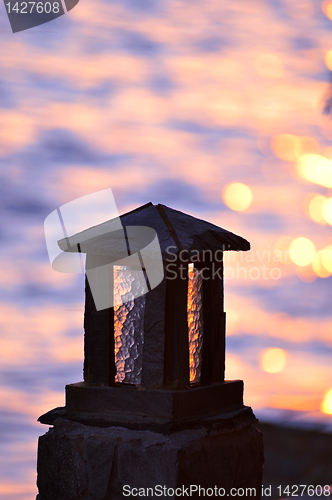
[[195, 323], [128, 325]]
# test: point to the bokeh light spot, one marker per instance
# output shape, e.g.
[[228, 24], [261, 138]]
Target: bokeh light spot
[[327, 210], [329, 11], [326, 256], [306, 273], [315, 168], [288, 147], [273, 360], [237, 196], [302, 251], [269, 66], [327, 8], [318, 266], [308, 145], [313, 207], [328, 59], [326, 406]]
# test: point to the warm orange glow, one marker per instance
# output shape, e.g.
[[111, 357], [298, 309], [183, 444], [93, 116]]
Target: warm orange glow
[[289, 147], [302, 251], [237, 196], [328, 59], [273, 360], [318, 266], [194, 304], [329, 11], [315, 168], [17, 489], [286, 147], [327, 210], [313, 207], [308, 145], [327, 8], [269, 66], [306, 273], [297, 402], [232, 321], [326, 257], [326, 406]]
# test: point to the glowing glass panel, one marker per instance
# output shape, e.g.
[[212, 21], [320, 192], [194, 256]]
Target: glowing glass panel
[[128, 325], [195, 323]]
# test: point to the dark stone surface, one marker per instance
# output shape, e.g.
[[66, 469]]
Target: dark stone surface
[[175, 229], [57, 456], [176, 373], [154, 337], [213, 349], [99, 455], [146, 465], [233, 459], [198, 234], [99, 364], [135, 404], [226, 420], [78, 462]]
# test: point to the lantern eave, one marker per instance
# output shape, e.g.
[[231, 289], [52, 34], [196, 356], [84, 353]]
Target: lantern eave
[[177, 232]]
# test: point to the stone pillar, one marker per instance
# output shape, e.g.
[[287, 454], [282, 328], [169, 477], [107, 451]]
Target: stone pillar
[[80, 462]]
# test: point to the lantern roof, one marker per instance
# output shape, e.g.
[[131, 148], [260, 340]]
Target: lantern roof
[[176, 231]]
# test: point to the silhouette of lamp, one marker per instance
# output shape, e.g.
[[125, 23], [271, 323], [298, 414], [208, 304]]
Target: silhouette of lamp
[[158, 354]]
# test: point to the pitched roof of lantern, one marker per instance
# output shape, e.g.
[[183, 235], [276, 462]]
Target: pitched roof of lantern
[[175, 230]]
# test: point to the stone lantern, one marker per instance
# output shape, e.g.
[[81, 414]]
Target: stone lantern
[[156, 361]]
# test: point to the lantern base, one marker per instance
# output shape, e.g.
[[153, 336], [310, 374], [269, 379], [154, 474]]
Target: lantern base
[[130, 404], [80, 462]]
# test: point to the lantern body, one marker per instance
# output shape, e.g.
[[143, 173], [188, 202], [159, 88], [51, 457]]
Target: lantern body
[[158, 356]]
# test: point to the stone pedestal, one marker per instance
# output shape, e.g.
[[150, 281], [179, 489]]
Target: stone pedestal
[[125, 404], [82, 462]]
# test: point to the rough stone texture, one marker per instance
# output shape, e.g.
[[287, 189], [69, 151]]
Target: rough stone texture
[[154, 337], [99, 455], [176, 363], [213, 350], [232, 459], [98, 342], [57, 455], [175, 229], [129, 403], [78, 462]]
